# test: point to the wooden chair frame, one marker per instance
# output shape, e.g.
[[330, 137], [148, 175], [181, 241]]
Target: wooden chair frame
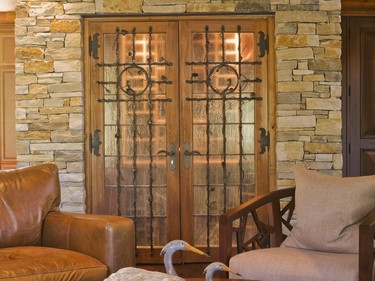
[[270, 212]]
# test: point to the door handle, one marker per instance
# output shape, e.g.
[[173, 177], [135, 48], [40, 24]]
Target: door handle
[[171, 154], [188, 154]]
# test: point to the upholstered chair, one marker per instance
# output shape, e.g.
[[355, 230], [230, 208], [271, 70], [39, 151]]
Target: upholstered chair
[[321, 230], [39, 242]]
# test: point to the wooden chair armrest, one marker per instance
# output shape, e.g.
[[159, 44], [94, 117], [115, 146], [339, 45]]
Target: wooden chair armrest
[[240, 213], [367, 247]]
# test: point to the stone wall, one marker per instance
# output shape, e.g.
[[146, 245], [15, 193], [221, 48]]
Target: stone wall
[[49, 83]]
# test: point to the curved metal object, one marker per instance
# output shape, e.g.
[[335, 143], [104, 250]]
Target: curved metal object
[[171, 153], [188, 154]]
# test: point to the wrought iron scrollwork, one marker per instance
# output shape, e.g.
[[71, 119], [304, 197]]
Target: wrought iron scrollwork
[[224, 80], [125, 92]]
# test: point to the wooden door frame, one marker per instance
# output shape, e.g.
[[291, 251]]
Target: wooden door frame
[[349, 75], [269, 86]]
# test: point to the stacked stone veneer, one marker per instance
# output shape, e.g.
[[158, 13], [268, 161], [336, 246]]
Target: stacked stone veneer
[[50, 94]]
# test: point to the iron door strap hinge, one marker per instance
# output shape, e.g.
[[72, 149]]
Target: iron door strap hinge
[[264, 140], [94, 46], [95, 142], [262, 44]]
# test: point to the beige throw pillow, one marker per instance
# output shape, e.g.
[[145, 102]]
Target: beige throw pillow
[[329, 210]]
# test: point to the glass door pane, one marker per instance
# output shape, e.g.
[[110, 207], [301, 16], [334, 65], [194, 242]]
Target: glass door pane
[[221, 76]]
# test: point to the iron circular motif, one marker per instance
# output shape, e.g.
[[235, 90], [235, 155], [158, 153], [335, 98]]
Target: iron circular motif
[[129, 86], [228, 71]]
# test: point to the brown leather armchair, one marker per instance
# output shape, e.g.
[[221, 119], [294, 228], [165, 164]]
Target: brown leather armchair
[[38, 242]]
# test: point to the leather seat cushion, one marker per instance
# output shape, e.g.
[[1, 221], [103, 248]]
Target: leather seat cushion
[[43, 263], [291, 264]]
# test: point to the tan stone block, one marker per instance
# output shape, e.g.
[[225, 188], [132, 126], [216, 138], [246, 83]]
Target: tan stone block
[[306, 28], [164, 9], [26, 79], [66, 136], [320, 165], [68, 66], [115, 6], [328, 28], [286, 28], [65, 87], [337, 161], [314, 78], [56, 146], [284, 75], [301, 16], [76, 122], [322, 89], [323, 104], [325, 64], [334, 5], [45, 126], [296, 121], [34, 135], [289, 98], [79, 8], [73, 40], [164, 2], [297, 40], [295, 86], [295, 53], [333, 53], [38, 66], [303, 72], [336, 91], [324, 148], [289, 151], [30, 41], [37, 9], [324, 157], [48, 157], [37, 89], [326, 127], [210, 7], [76, 101], [63, 53], [26, 21], [69, 155], [65, 26], [287, 64], [332, 44], [21, 10], [60, 110], [24, 53]]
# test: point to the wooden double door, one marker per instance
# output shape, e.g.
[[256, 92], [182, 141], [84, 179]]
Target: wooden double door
[[177, 123]]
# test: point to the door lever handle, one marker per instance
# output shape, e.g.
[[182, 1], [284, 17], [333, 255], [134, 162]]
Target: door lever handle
[[188, 155], [171, 154], [168, 153]]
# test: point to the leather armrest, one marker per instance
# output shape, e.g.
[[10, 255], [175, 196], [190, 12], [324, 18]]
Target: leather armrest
[[367, 247], [110, 239]]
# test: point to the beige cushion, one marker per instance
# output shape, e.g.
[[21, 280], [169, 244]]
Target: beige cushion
[[290, 264], [329, 210]]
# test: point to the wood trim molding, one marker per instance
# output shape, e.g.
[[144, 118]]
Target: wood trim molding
[[7, 17], [357, 8]]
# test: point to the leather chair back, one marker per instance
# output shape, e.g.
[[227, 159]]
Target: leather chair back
[[26, 196]]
